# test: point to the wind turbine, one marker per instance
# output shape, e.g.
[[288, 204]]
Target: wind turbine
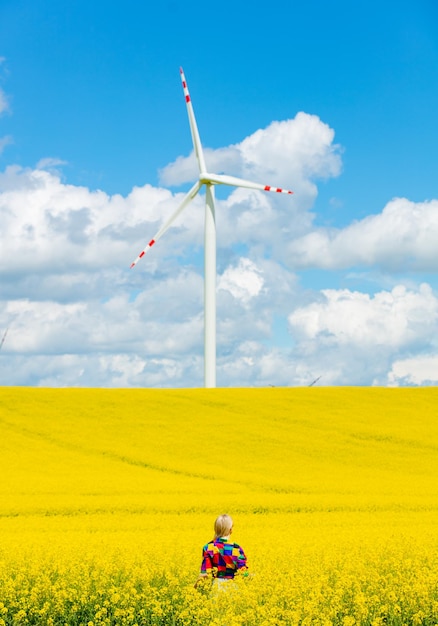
[[209, 180], [3, 338]]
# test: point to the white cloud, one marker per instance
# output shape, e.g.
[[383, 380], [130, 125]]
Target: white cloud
[[253, 363], [150, 324], [418, 370], [4, 102], [157, 338], [78, 316], [5, 141], [94, 370], [63, 232], [4, 108], [288, 154], [355, 338], [396, 318], [50, 164], [403, 236], [52, 227], [244, 281]]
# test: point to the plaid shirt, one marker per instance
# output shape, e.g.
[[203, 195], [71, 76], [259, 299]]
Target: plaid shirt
[[221, 558]]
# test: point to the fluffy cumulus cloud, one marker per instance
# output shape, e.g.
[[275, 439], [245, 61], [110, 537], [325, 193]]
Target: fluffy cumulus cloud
[[244, 281], [290, 154], [395, 317], [76, 314], [359, 337], [417, 370], [403, 236], [50, 226]]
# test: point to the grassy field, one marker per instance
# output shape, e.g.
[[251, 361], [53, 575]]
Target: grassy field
[[107, 496]]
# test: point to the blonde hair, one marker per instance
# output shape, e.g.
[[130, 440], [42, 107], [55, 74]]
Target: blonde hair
[[223, 526]]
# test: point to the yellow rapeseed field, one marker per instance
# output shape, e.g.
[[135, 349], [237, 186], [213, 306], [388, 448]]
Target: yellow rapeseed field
[[107, 496]]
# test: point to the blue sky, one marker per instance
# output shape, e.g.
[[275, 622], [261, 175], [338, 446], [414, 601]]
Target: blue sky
[[92, 103]]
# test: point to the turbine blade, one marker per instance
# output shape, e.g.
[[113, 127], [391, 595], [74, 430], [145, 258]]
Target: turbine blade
[[187, 199], [222, 179], [3, 338], [193, 126]]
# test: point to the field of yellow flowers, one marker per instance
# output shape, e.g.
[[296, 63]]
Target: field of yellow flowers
[[107, 496]]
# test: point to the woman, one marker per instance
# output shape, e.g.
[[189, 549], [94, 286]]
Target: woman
[[221, 558]]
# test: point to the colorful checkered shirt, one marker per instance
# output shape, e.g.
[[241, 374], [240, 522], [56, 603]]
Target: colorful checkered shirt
[[221, 558]]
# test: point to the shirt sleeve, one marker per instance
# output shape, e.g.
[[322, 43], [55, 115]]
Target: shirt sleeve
[[207, 565], [240, 558]]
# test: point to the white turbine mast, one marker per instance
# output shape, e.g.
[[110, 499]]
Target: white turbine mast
[[209, 180]]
